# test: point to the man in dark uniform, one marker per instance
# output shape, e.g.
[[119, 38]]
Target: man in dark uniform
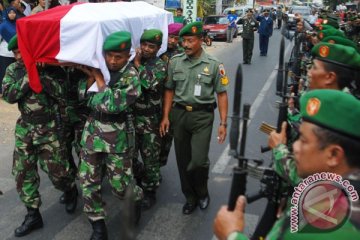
[[265, 31], [250, 25], [193, 79], [172, 49]]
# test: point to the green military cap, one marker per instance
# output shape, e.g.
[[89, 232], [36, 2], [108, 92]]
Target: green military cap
[[13, 43], [192, 29], [338, 54], [341, 41], [118, 41], [330, 32], [152, 35], [323, 27], [332, 22], [332, 109]]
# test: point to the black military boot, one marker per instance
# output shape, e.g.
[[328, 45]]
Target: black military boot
[[70, 199], [99, 230], [33, 220], [149, 200]]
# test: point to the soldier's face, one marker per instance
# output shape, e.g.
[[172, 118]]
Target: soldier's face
[[18, 57], [309, 157], [192, 45], [149, 50], [116, 60], [173, 41], [318, 76]]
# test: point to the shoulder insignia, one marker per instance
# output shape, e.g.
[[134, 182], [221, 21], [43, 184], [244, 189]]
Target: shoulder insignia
[[224, 80], [222, 70]]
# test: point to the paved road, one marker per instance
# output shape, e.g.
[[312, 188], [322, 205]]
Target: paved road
[[165, 220]]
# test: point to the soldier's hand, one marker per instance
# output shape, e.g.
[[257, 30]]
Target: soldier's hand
[[137, 58], [164, 127], [227, 222], [278, 138], [221, 134]]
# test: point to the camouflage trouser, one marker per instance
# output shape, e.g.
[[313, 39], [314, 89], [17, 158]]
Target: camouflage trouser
[[118, 171], [72, 137], [166, 143], [149, 146], [28, 152]]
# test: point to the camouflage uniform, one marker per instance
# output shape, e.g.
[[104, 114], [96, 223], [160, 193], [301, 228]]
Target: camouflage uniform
[[74, 114], [166, 56], [166, 141], [147, 119], [36, 133], [108, 140]]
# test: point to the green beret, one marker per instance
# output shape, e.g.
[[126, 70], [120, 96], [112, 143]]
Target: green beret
[[332, 22], [118, 41], [324, 27], [332, 109], [13, 43], [341, 41], [338, 54], [330, 32], [192, 29], [152, 35]]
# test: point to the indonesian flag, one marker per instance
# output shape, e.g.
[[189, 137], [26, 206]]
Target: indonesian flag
[[76, 33]]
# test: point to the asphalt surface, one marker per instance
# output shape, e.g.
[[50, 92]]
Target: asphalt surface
[[165, 220]]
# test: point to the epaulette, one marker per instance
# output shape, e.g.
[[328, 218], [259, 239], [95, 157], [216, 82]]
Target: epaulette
[[177, 55]]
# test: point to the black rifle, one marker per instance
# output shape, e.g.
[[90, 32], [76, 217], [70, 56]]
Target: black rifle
[[281, 90], [269, 179]]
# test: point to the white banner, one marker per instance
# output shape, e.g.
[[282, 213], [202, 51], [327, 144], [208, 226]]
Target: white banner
[[190, 10]]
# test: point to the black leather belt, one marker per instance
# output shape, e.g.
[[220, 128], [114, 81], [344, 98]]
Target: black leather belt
[[200, 107], [107, 117], [148, 111], [38, 118]]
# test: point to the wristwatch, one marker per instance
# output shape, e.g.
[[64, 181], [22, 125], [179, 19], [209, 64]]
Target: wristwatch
[[223, 124]]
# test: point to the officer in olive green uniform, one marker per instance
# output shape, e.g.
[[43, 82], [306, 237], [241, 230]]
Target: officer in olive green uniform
[[108, 137], [329, 142], [37, 140], [147, 110], [193, 79], [249, 26]]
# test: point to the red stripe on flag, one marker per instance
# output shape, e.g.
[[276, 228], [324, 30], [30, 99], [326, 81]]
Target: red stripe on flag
[[39, 40]]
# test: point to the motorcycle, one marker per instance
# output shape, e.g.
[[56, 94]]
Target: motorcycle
[[207, 38]]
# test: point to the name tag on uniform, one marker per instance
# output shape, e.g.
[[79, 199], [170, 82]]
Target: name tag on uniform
[[197, 90]]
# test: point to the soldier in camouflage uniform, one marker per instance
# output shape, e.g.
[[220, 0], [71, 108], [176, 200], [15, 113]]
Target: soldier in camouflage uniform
[[74, 114], [147, 109], [108, 137], [172, 50], [334, 67], [325, 146], [37, 138]]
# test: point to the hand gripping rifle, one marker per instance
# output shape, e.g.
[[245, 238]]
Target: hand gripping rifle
[[269, 180], [281, 90]]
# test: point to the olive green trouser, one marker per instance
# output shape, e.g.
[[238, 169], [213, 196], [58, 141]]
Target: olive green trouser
[[192, 133], [248, 46]]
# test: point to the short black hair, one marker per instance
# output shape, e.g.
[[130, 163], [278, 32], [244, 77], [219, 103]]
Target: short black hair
[[350, 146], [344, 76], [179, 9]]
